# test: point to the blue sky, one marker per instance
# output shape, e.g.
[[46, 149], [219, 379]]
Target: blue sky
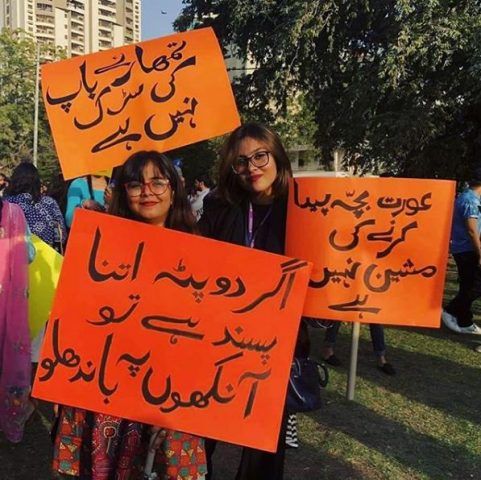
[[154, 22]]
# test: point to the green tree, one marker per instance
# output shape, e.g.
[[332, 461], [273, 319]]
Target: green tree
[[18, 56], [197, 159], [393, 82]]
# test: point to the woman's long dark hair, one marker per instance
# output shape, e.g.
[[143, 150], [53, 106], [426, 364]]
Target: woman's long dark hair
[[230, 187], [25, 179], [180, 216]]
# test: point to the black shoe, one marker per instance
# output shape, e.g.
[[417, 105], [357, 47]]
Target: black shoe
[[387, 368], [333, 360]]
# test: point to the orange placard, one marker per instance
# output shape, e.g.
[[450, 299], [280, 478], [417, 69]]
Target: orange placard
[[156, 95], [173, 329], [379, 247]]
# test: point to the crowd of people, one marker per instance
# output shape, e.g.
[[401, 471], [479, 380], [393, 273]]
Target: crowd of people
[[247, 207]]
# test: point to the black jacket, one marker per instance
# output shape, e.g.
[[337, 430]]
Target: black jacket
[[223, 221]]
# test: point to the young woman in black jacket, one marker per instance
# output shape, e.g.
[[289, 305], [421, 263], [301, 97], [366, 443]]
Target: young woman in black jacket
[[249, 208]]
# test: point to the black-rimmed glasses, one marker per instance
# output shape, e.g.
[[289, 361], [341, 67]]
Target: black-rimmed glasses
[[258, 159], [157, 186]]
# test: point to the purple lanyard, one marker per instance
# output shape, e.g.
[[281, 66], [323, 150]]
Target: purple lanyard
[[250, 234]]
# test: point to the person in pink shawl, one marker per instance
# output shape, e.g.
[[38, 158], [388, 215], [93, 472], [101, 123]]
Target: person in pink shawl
[[15, 365]]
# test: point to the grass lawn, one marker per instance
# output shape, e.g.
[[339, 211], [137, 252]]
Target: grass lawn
[[423, 423]]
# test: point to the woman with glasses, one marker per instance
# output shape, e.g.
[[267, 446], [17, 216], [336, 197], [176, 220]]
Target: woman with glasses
[[249, 207], [98, 446]]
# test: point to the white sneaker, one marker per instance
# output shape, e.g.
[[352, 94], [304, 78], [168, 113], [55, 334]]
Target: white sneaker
[[450, 321], [472, 329]]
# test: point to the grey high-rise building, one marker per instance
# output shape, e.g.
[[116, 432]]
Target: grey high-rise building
[[79, 26]]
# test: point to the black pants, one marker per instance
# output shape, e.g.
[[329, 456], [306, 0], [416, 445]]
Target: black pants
[[255, 464], [469, 273], [377, 337]]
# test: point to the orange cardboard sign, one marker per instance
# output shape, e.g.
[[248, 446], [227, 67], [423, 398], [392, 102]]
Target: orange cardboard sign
[[156, 95], [173, 329], [379, 247]]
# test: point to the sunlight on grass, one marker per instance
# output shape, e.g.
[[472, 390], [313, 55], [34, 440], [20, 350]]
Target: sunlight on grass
[[422, 424]]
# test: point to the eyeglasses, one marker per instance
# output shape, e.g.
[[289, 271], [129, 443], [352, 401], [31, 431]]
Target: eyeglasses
[[157, 186], [259, 159]]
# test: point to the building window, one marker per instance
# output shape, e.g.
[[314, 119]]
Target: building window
[[45, 7]]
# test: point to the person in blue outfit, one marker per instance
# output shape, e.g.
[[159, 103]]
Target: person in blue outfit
[[86, 192], [466, 251], [42, 212]]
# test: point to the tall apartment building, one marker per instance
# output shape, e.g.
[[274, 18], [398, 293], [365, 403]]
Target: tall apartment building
[[79, 26]]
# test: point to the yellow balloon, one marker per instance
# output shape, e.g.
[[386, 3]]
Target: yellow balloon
[[43, 276]]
